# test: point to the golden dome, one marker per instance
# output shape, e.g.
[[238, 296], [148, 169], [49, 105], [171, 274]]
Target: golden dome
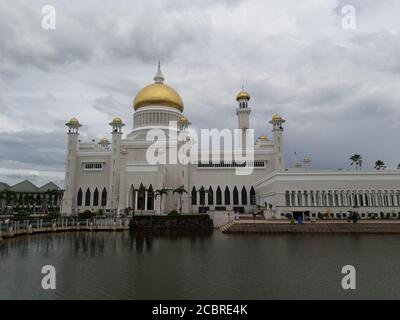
[[243, 95], [158, 94], [73, 122], [276, 117], [263, 138], [117, 120], [183, 120], [124, 152], [104, 141]]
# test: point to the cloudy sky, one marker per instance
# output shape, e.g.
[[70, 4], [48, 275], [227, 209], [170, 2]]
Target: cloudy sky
[[338, 89]]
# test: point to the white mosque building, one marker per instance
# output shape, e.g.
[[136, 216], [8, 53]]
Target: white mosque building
[[117, 177]]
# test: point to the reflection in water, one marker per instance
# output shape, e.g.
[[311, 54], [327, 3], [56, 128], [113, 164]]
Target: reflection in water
[[140, 239], [203, 264]]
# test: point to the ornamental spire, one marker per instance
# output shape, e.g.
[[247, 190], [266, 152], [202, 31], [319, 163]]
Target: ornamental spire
[[159, 78]]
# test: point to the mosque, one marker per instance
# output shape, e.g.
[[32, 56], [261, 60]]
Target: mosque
[[117, 177]]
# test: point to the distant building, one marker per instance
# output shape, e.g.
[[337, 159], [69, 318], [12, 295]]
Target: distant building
[[26, 196]]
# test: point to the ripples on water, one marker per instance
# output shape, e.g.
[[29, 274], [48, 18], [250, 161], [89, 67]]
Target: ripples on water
[[199, 265]]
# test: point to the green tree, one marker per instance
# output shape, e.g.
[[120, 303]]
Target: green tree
[[180, 191], [356, 159], [161, 193], [379, 165]]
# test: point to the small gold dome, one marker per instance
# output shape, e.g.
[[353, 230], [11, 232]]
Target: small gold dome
[[104, 141], [117, 120], [243, 95], [183, 120], [263, 138], [158, 94], [73, 122], [124, 152], [276, 117]]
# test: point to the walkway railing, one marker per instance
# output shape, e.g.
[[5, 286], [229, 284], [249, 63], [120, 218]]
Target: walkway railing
[[11, 228]]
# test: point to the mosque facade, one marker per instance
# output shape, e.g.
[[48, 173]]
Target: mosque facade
[[117, 176]]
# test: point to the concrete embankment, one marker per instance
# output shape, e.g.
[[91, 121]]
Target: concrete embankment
[[315, 228]]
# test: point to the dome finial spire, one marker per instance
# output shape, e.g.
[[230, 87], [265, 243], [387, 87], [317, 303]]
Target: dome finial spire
[[159, 78]]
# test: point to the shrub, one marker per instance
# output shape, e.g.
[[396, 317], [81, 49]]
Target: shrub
[[100, 213], [173, 213], [87, 214]]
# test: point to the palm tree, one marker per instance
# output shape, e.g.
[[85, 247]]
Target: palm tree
[[180, 191], [379, 164], [160, 193], [357, 160], [2, 198]]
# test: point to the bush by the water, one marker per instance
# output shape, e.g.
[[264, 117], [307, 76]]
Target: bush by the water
[[173, 213]]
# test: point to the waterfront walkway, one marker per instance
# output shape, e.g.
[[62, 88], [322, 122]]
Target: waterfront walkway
[[318, 227], [17, 228]]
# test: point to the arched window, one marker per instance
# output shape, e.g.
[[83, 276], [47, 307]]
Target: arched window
[[141, 197], [227, 196], [202, 196], [194, 196], [104, 197], [79, 198], [235, 196], [244, 196], [150, 198], [210, 196], [87, 197], [252, 196], [219, 196], [96, 197]]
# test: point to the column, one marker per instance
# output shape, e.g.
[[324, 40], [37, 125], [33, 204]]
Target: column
[[136, 199], [145, 200]]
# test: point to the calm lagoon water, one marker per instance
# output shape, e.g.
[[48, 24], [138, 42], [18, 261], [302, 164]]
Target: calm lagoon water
[[199, 265]]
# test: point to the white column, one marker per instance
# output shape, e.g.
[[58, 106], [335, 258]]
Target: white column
[[136, 199], [145, 200]]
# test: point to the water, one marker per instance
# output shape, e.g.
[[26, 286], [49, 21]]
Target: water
[[202, 265]]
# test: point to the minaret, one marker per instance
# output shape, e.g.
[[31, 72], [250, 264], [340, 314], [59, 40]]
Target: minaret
[[113, 188], [277, 131], [243, 113], [68, 202]]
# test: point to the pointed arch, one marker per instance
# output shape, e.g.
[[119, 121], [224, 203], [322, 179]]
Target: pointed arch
[[252, 196], [141, 197], [87, 197], [235, 196], [244, 196], [96, 197], [104, 197], [194, 196], [227, 194], [202, 196], [219, 196], [150, 198], [79, 198], [210, 196]]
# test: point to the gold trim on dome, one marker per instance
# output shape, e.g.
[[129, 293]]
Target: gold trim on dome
[[117, 120], [243, 95], [276, 117], [263, 138], [158, 94]]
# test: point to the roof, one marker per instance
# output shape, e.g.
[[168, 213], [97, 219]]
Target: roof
[[49, 186], [4, 186], [24, 186], [27, 187]]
